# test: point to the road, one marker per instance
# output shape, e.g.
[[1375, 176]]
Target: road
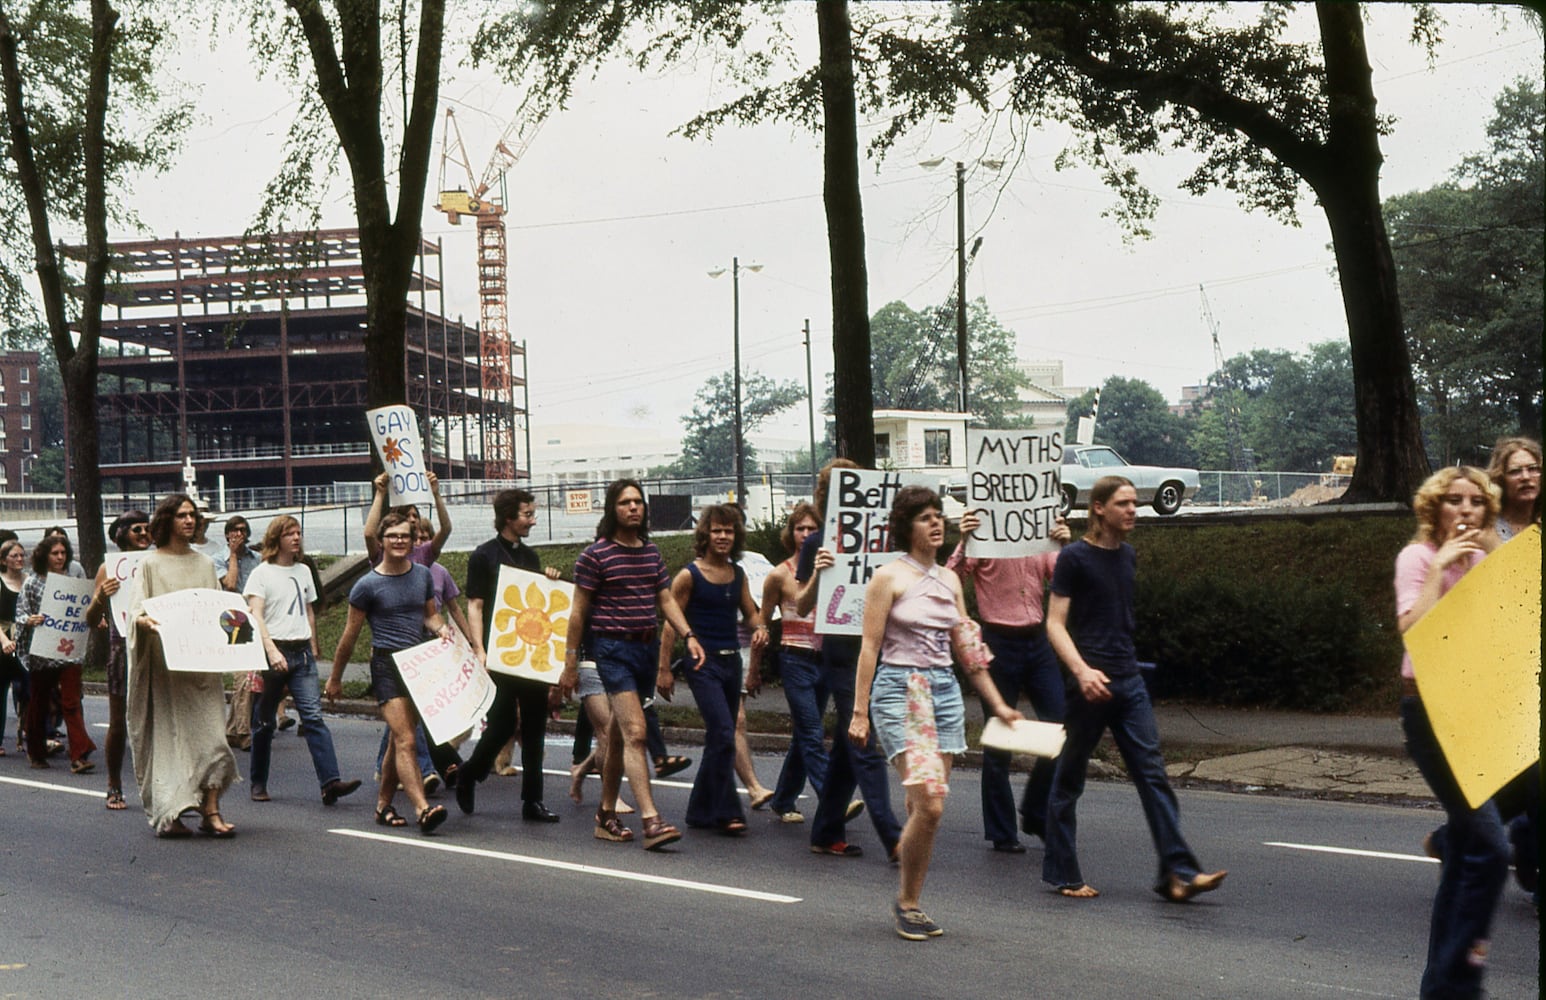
[[322, 903]]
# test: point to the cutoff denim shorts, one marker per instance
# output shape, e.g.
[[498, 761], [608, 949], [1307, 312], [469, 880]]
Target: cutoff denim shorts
[[888, 708], [627, 665], [590, 680]]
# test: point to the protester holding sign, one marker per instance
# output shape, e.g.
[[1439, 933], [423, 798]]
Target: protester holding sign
[[799, 667], [176, 719], [712, 592], [48, 669], [13, 676], [283, 601], [1456, 509], [1009, 602], [1090, 623], [421, 553], [519, 702], [397, 598], [130, 531], [906, 685]]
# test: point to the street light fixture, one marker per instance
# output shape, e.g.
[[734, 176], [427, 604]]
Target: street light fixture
[[740, 444]]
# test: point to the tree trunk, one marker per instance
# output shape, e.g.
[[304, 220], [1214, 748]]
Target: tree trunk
[[852, 399]]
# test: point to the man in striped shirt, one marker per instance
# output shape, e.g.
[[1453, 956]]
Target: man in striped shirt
[[620, 583]]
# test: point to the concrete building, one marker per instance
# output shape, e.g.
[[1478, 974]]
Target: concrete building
[[920, 439], [21, 412], [1045, 400]]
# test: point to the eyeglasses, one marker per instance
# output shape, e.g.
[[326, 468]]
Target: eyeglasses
[[397, 538], [138, 529], [1523, 471]]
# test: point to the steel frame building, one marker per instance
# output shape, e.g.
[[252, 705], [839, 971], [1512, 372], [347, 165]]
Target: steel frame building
[[245, 357]]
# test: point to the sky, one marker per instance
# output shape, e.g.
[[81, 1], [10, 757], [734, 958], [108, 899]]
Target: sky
[[614, 225]]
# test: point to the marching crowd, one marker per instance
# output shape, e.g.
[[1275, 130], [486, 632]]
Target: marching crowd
[[1057, 628]]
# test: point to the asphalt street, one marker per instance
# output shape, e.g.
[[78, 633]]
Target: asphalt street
[[1323, 899]]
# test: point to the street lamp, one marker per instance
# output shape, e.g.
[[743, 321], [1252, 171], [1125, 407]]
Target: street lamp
[[994, 165], [740, 444]]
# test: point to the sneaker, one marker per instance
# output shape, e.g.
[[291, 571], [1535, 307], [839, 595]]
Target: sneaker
[[432, 784], [790, 816], [914, 925], [854, 809], [838, 848]]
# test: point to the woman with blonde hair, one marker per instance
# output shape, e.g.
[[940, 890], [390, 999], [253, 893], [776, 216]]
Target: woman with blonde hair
[[1455, 509]]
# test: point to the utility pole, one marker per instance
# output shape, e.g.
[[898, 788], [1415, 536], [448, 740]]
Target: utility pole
[[961, 278], [810, 400]]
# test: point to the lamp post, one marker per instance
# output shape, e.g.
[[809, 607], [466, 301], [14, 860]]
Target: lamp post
[[740, 444], [961, 264]]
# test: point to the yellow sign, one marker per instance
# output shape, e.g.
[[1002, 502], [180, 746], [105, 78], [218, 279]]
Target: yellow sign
[[1477, 656], [531, 625]]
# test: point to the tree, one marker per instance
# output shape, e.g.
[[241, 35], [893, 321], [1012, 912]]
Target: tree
[[346, 75], [1469, 258], [913, 362], [708, 447], [69, 145], [1265, 114], [1297, 410], [1135, 420]]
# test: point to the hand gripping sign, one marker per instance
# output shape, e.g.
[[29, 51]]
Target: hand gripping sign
[[62, 636], [395, 430], [1013, 484], [448, 685]]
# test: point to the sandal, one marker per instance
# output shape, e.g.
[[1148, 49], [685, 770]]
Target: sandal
[[387, 816], [431, 817], [733, 828], [658, 833], [173, 830], [82, 766], [115, 799], [209, 828], [667, 766], [1178, 890], [609, 827], [758, 801]]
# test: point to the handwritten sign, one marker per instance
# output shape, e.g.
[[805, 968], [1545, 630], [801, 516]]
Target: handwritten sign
[[531, 625], [206, 631], [62, 635], [1477, 657], [448, 685], [858, 508], [125, 568], [395, 430], [1013, 482]]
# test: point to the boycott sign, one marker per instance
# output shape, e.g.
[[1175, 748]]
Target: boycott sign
[[62, 636], [858, 507], [449, 686], [395, 430], [1013, 484], [125, 568], [206, 631]]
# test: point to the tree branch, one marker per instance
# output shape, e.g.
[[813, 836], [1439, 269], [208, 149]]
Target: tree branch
[[419, 135]]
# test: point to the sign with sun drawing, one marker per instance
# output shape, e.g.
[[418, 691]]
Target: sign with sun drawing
[[531, 625]]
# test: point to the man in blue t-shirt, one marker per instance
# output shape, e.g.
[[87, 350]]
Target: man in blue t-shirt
[[1090, 623]]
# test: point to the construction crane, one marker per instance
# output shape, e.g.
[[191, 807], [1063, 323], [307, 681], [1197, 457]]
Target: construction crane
[[1240, 457], [495, 360]]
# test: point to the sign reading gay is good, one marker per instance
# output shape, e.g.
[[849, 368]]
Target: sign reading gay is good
[[395, 430]]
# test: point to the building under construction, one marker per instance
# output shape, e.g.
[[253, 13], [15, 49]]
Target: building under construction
[[245, 358]]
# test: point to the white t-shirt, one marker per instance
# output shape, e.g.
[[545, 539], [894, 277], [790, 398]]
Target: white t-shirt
[[286, 591]]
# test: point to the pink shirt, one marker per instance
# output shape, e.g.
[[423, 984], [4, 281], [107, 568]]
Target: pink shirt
[[918, 628], [798, 632], [1412, 570], [1009, 591]]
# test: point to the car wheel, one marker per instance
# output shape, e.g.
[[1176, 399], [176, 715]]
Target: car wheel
[[1167, 499], [1070, 494]]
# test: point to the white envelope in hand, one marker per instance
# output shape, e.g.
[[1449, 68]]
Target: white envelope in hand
[[1040, 739]]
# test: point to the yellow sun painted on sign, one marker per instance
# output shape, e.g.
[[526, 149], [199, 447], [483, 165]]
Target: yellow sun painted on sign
[[530, 625]]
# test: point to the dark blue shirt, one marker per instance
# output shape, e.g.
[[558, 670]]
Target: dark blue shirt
[[1100, 585]]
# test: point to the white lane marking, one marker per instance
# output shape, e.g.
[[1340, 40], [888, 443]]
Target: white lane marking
[[1334, 988], [1354, 852], [50, 787], [567, 866]]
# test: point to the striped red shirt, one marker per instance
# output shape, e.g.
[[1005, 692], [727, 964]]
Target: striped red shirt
[[624, 584]]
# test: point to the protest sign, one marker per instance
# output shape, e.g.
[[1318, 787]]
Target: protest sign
[[395, 430], [531, 625], [448, 685], [125, 568], [1477, 658], [206, 631], [1013, 483], [858, 507], [62, 635]]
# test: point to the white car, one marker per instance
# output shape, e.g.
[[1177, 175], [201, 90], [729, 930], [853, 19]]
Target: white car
[[1164, 489]]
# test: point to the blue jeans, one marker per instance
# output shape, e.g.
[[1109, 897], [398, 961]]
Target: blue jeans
[[716, 687], [1021, 665], [1472, 873], [806, 693], [1129, 715], [301, 680], [851, 766]]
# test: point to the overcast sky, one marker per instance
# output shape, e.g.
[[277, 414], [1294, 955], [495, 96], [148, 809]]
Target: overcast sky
[[613, 226]]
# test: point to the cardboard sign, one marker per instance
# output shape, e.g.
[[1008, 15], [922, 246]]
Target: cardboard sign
[[1477, 657], [395, 431], [448, 685], [206, 631], [858, 509], [62, 635], [1014, 483], [125, 568], [531, 625]]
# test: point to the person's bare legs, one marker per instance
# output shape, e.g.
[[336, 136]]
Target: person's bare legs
[[213, 821], [400, 765], [916, 848], [117, 730], [745, 768], [627, 754]]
